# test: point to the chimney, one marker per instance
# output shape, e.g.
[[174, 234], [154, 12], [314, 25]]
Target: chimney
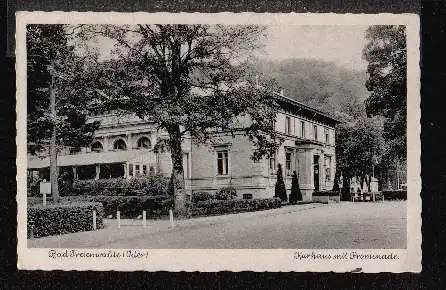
[[282, 92]]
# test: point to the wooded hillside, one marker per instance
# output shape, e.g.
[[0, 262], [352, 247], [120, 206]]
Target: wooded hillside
[[320, 84]]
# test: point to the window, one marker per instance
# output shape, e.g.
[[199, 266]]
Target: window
[[130, 169], [288, 162], [327, 168], [287, 125], [144, 169], [247, 196], [302, 129], [327, 136], [222, 162], [75, 150], [272, 164], [97, 147], [120, 145], [137, 172], [144, 142], [315, 132]]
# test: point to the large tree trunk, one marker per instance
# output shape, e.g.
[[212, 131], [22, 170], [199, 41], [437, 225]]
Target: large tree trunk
[[53, 148], [177, 185]]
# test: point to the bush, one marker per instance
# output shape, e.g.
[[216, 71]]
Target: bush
[[295, 195], [280, 190], [326, 193], [395, 194], [144, 185], [218, 207], [62, 218], [130, 206], [202, 196], [33, 185], [226, 193]]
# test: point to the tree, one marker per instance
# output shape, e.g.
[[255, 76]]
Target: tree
[[189, 80], [57, 106], [360, 145], [280, 189], [386, 55], [296, 194]]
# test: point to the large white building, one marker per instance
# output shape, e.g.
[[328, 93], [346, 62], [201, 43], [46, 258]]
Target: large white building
[[124, 147]]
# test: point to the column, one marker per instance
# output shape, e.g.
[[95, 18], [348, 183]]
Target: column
[[129, 141], [105, 142], [98, 171], [74, 173]]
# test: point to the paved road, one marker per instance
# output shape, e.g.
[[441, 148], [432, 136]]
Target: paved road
[[310, 226]]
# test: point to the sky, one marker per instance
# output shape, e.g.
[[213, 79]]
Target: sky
[[339, 44]]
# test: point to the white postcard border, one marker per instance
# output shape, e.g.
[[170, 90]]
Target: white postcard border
[[409, 260]]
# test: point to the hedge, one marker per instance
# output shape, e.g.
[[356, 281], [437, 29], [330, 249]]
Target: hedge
[[130, 206], [62, 218], [218, 207], [202, 196], [326, 193], [143, 185], [395, 194]]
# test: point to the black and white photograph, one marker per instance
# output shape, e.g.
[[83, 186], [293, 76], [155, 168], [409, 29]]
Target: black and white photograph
[[145, 135]]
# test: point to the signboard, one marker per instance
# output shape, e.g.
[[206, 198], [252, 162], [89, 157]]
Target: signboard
[[45, 188]]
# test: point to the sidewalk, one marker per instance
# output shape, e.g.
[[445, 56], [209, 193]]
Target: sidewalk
[[132, 228]]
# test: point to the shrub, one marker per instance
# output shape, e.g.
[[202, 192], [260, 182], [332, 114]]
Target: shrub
[[62, 218], [280, 190], [143, 185], [202, 196], [226, 193], [395, 194], [295, 195], [217, 207], [326, 193], [33, 185], [130, 206]]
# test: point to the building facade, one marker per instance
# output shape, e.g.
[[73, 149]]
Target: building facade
[[124, 148]]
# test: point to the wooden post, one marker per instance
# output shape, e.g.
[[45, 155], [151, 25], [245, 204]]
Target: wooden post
[[94, 220], [144, 220], [44, 199], [118, 216], [171, 218]]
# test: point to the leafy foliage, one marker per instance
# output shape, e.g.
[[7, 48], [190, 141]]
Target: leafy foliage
[[280, 189], [226, 193], [361, 145], [129, 206], [319, 84], [189, 79], [145, 185], [386, 55], [62, 218], [296, 194], [217, 207], [50, 58], [202, 196]]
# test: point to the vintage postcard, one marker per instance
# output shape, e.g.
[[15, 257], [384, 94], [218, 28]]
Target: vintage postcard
[[211, 142]]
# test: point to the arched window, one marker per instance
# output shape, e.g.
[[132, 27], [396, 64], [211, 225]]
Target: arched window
[[144, 142], [120, 145], [97, 147]]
